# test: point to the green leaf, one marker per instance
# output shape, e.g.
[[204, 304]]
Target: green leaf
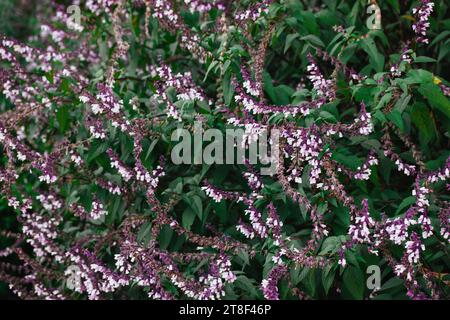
[[165, 236], [197, 205], [144, 232], [283, 94], [327, 116], [348, 160], [385, 99], [353, 282], [375, 57], [395, 5], [247, 285], [244, 257], [331, 245], [439, 37], [435, 97], [419, 76], [289, 38], [423, 59], [405, 203], [62, 116], [328, 274], [402, 103], [221, 209], [187, 218], [391, 283], [268, 86], [421, 117], [211, 66], [313, 40], [308, 20], [396, 117], [228, 89], [354, 13], [97, 148]]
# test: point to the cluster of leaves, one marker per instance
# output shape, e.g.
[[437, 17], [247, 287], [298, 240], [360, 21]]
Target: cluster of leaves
[[413, 106]]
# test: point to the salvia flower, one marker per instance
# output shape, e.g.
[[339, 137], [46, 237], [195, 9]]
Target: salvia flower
[[444, 217], [323, 87], [359, 231], [421, 24], [269, 285], [413, 248]]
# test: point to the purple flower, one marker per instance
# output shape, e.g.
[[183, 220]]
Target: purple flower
[[269, 285], [422, 15]]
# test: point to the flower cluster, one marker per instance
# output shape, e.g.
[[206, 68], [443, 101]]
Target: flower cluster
[[99, 212], [422, 14]]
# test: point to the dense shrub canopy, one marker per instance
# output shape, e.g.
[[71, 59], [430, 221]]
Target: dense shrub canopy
[[352, 96]]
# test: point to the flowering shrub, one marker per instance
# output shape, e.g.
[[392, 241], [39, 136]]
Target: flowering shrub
[[94, 207]]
